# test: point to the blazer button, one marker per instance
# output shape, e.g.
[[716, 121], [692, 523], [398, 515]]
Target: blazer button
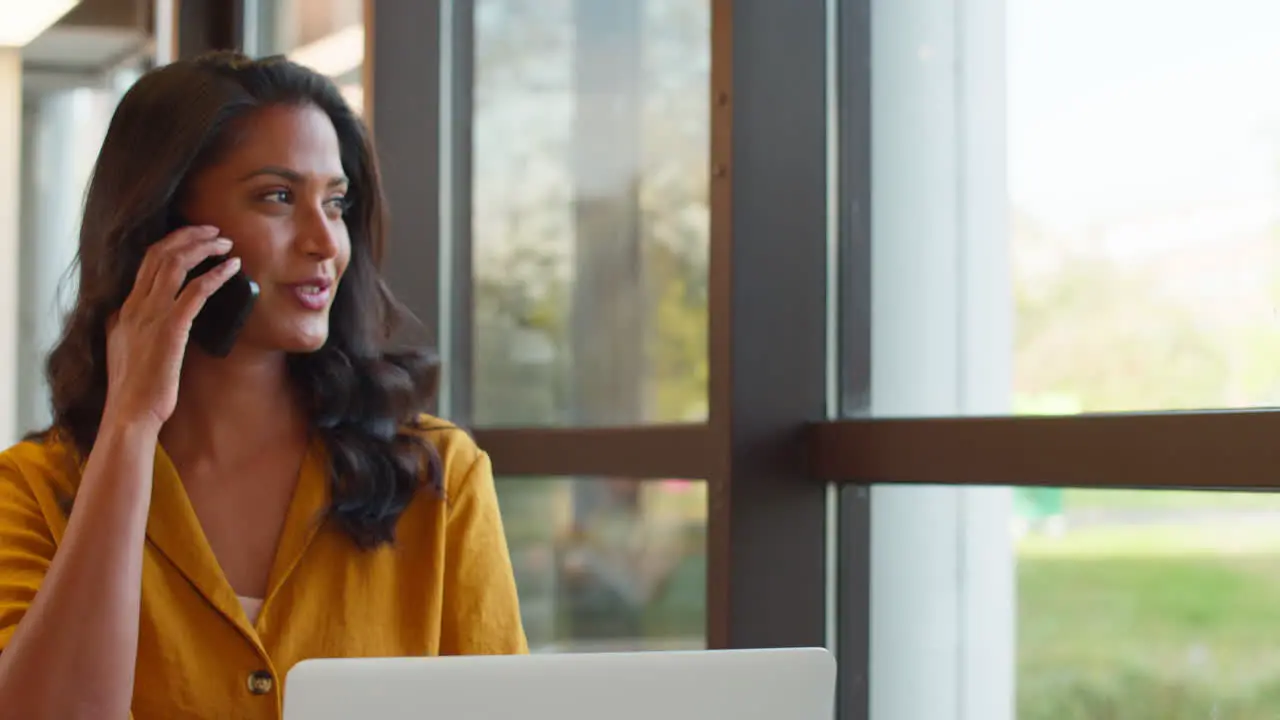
[[260, 682]]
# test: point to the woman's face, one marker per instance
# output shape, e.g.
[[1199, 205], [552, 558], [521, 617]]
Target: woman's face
[[278, 194]]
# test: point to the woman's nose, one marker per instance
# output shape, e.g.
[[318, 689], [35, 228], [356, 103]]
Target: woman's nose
[[319, 234]]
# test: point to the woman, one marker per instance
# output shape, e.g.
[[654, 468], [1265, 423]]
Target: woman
[[234, 515]]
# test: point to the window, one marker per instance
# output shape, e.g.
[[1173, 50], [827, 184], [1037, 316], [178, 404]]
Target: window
[[589, 212], [873, 283], [1142, 188], [1056, 232], [1139, 602], [608, 563], [588, 249], [555, 158], [1142, 236]]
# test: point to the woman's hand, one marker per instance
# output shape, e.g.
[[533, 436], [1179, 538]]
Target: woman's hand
[[147, 339]]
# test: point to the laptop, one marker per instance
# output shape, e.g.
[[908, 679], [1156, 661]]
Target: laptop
[[775, 684]]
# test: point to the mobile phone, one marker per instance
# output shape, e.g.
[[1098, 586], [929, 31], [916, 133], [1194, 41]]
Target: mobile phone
[[224, 314]]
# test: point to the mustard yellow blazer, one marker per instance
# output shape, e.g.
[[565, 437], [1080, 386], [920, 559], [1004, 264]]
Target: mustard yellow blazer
[[445, 588]]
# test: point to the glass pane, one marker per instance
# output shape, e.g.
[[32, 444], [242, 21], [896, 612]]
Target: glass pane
[[1152, 604], [590, 219], [1051, 604], [1161, 270], [1075, 230], [326, 35], [607, 564]]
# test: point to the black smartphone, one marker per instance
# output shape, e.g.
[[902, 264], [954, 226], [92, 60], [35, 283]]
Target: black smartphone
[[224, 314]]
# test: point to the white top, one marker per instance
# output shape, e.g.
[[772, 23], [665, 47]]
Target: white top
[[252, 606]]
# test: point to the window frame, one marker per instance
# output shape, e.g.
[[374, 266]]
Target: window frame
[[754, 429], [789, 513]]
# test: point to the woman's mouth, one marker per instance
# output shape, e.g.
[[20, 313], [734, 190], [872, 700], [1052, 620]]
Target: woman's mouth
[[314, 294]]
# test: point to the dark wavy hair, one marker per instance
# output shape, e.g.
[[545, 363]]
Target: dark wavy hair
[[363, 396]]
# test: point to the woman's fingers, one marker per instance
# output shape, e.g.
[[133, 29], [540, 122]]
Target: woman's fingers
[[178, 263], [159, 254], [193, 297]]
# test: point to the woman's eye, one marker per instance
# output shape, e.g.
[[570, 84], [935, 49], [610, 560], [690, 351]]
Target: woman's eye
[[277, 196], [340, 204]]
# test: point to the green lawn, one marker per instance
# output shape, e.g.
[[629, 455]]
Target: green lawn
[[1168, 499], [1150, 624]]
